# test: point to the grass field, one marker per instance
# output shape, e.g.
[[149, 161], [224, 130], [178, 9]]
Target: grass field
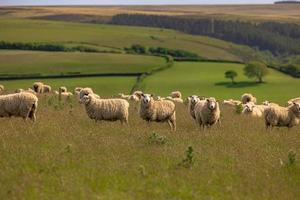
[[207, 79], [56, 63], [286, 13], [65, 155], [113, 37]]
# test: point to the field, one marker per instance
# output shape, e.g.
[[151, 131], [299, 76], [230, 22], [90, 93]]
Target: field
[[57, 63], [65, 155], [284, 13], [112, 37]]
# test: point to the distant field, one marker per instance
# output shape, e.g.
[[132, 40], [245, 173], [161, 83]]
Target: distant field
[[112, 37], [207, 79], [56, 63], [245, 12], [104, 86]]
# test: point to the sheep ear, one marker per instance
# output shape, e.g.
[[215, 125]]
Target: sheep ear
[[142, 95], [151, 95], [294, 103], [207, 100]]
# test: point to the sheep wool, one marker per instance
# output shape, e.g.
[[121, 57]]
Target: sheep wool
[[158, 111], [1, 88], [247, 97], [192, 101], [22, 104], [46, 89], [207, 112], [38, 87], [291, 101], [254, 110], [176, 94], [282, 116], [106, 109]]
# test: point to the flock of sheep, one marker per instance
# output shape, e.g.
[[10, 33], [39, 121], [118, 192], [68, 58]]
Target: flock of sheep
[[204, 111]]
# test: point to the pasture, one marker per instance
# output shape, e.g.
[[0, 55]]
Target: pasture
[[207, 79], [59, 63], [111, 37], [65, 155]]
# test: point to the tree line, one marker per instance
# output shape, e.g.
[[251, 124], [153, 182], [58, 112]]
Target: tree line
[[278, 38]]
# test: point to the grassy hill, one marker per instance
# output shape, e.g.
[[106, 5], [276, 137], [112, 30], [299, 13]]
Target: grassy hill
[[207, 79], [110, 37], [56, 63], [285, 13]]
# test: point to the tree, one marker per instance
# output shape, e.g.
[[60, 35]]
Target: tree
[[256, 70], [231, 74]]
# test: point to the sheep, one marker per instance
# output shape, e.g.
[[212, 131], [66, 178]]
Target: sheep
[[1, 88], [77, 90], [28, 90], [282, 116], [176, 94], [192, 101], [134, 98], [207, 112], [46, 89], [87, 91], [123, 96], [254, 110], [38, 87], [268, 103], [22, 104], [291, 101], [158, 111], [105, 109], [138, 94], [65, 95], [248, 98], [63, 89], [231, 103]]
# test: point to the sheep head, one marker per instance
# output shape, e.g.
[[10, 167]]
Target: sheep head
[[211, 103], [85, 99], [147, 98]]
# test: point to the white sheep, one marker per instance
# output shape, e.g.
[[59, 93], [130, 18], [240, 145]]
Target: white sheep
[[176, 94], [192, 101], [207, 112], [247, 97], [77, 90], [87, 91], [291, 101], [231, 103], [22, 104], [254, 110], [158, 111], [64, 95], [38, 87], [22, 90], [46, 89], [1, 88], [134, 98], [63, 89], [106, 109], [138, 94], [282, 116]]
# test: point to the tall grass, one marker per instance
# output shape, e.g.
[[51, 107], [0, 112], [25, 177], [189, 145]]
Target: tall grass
[[65, 155]]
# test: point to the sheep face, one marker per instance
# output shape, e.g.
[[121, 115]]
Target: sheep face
[[211, 103], [248, 108], [85, 99], [147, 98], [296, 108], [194, 99]]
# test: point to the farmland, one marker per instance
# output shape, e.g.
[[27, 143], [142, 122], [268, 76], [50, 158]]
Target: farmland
[[66, 155]]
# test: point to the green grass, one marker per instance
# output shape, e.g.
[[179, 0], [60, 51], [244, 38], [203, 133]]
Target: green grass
[[207, 79], [65, 155], [105, 86], [56, 63], [110, 36]]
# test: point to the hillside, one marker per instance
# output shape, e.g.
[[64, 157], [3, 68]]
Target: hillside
[[113, 37], [96, 14]]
